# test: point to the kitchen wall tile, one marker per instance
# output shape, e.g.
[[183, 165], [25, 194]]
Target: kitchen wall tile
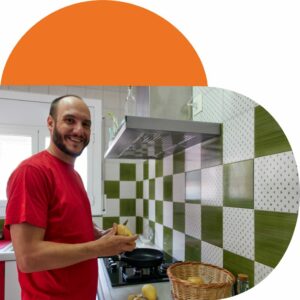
[[193, 186], [238, 264], [193, 158], [273, 232], [146, 189], [127, 172], [212, 225], [238, 138], [168, 188], [261, 272], [131, 223], [112, 189], [146, 208], [168, 240], [108, 221], [152, 231], [139, 189], [152, 189], [139, 225], [145, 227], [139, 207], [179, 216], [152, 164], [179, 187], [152, 210], [127, 189], [276, 183], [212, 186], [211, 254], [111, 169], [212, 152], [159, 235], [179, 162], [168, 165], [269, 137], [139, 170], [158, 168], [238, 231], [159, 212], [168, 214], [127, 207], [159, 191], [238, 184], [146, 169], [192, 249], [178, 245], [193, 220], [112, 207]]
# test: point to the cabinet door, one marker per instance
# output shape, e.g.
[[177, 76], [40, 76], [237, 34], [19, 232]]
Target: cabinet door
[[12, 287]]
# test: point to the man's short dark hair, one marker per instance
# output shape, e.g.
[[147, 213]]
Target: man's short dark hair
[[54, 103]]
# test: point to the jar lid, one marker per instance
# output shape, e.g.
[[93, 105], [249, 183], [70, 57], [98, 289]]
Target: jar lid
[[243, 277]]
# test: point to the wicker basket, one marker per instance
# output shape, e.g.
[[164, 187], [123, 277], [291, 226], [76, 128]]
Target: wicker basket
[[218, 281]]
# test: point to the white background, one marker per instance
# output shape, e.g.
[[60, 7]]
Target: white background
[[251, 47]]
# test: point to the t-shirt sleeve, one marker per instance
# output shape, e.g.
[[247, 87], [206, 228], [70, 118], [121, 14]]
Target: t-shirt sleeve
[[28, 197]]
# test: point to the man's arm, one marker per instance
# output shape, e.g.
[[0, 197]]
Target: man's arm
[[33, 254]]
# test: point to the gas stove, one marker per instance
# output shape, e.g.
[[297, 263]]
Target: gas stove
[[122, 273]]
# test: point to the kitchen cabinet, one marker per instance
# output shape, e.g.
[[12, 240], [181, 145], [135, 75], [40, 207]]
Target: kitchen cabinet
[[12, 288]]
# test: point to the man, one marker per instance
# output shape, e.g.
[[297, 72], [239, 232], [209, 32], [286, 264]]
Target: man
[[49, 215]]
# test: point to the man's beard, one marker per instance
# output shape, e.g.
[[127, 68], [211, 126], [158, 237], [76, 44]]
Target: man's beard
[[59, 142]]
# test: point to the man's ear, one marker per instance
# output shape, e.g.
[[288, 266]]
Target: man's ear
[[50, 123]]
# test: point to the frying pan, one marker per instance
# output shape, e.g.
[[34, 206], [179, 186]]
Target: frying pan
[[143, 257]]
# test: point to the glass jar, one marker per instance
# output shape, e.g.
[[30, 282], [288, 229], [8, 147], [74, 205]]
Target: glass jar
[[242, 283]]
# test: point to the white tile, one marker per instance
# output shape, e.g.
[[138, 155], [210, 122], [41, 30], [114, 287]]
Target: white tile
[[276, 183], [159, 237], [212, 186], [127, 189], [152, 210], [211, 254], [238, 138], [168, 165], [179, 187], [146, 189], [111, 169], [193, 158], [139, 170], [238, 231], [168, 214], [178, 245], [193, 220], [151, 168], [261, 272], [159, 188], [139, 207], [145, 226], [112, 207], [131, 224]]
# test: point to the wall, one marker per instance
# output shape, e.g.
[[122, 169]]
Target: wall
[[249, 192]]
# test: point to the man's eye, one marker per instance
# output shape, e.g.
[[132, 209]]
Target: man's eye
[[70, 121]]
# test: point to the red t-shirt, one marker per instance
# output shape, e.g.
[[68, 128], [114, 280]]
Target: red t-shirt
[[47, 192]]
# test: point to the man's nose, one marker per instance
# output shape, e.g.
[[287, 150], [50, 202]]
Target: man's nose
[[78, 128]]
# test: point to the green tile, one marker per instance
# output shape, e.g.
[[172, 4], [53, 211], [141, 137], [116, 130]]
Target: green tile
[[112, 189], [152, 189], [127, 172], [146, 169], [179, 162], [238, 264], [159, 212], [146, 208], [212, 153], [108, 221], [269, 137], [139, 225], [152, 226], [239, 184], [273, 232], [179, 216], [212, 225], [159, 168], [127, 207], [168, 188], [168, 240], [139, 189], [192, 249]]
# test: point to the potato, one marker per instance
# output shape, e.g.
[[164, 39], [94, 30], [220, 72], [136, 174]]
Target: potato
[[149, 292], [123, 230], [196, 279]]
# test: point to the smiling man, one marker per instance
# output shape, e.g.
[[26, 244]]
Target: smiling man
[[49, 215]]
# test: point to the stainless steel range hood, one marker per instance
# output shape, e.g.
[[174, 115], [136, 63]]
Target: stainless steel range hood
[[153, 138]]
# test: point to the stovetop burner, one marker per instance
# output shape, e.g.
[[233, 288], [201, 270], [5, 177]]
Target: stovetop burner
[[121, 273]]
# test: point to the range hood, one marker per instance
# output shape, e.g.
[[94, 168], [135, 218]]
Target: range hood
[[154, 138]]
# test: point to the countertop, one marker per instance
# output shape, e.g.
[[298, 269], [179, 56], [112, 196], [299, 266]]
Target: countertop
[[6, 251]]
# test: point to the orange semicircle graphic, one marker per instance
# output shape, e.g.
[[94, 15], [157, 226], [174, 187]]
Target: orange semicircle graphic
[[103, 43]]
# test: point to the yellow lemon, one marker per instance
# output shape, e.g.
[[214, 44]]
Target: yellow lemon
[[149, 292], [196, 279], [123, 230]]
